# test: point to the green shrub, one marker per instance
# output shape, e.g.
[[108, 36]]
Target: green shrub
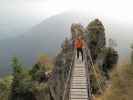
[[21, 85], [110, 60], [5, 87], [122, 87], [95, 36]]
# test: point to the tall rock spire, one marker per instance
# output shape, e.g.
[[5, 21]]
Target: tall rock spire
[[96, 37], [76, 30]]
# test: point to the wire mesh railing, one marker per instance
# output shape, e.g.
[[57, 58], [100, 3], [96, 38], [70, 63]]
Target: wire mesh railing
[[87, 66], [68, 81], [92, 67]]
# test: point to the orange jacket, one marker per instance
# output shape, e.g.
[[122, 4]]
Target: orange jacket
[[78, 43]]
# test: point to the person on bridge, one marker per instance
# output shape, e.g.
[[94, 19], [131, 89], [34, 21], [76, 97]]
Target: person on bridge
[[79, 45]]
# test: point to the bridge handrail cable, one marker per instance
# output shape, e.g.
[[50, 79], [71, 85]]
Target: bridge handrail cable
[[67, 83], [94, 69]]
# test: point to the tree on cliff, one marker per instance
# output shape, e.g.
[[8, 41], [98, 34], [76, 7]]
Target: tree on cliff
[[110, 60], [21, 85], [5, 87], [38, 73], [95, 37], [122, 84], [104, 57]]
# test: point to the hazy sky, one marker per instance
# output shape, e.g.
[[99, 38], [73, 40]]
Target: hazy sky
[[119, 9], [17, 15]]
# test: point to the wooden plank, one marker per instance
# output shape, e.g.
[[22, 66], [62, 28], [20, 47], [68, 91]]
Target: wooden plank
[[79, 88]]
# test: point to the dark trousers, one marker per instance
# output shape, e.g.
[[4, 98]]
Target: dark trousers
[[80, 50]]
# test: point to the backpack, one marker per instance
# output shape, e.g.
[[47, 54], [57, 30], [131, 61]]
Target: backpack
[[78, 43]]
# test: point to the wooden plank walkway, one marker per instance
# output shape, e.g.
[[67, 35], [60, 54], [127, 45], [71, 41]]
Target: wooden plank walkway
[[78, 86]]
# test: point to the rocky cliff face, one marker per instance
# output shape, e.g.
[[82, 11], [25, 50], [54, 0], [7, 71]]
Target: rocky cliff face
[[60, 72], [52, 87], [94, 34]]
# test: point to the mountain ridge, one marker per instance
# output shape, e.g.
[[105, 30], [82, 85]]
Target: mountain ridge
[[47, 37]]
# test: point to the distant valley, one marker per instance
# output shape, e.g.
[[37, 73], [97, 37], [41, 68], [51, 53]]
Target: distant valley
[[47, 37]]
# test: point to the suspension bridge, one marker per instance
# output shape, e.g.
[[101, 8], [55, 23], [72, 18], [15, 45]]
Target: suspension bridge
[[78, 85]]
